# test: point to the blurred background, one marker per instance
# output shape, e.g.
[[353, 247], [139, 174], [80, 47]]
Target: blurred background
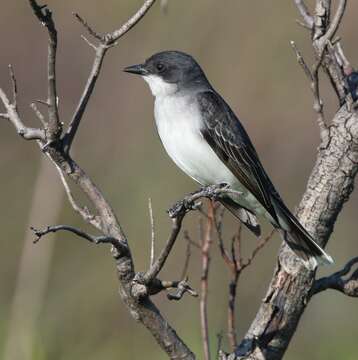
[[59, 298]]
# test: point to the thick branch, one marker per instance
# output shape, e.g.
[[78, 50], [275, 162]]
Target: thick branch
[[337, 281]]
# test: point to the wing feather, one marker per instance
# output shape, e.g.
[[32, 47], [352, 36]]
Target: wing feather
[[227, 137]]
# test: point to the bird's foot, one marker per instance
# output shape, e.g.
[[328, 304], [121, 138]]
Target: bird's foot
[[190, 202]]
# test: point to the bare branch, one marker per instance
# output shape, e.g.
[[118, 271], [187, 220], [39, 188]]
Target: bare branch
[[106, 42], [187, 256], [342, 59], [12, 115], [334, 25], [190, 240], [14, 86], [44, 15], [313, 77], [336, 281], [152, 233], [206, 242], [93, 239], [38, 114], [82, 211], [88, 27], [307, 17], [263, 241], [159, 263], [117, 34], [302, 62]]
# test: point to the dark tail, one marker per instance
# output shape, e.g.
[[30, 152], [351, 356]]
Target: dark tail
[[299, 240], [244, 215]]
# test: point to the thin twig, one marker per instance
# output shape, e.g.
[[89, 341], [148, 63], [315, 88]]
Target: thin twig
[[263, 241], [343, 61], [187, 256], [159, 263], [38, 114], [117, 34], [190, 240], [337, 19], [82, 211], [152, 233], [91, 238], [313, 77], [301, 61], [14, 86], [88, 27], [206, 242], [12, 115]]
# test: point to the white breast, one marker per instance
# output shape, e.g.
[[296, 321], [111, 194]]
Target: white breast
[[178, 122]]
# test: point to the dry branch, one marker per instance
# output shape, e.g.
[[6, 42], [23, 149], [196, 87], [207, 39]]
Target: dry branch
[[348, 285], [105, 42]]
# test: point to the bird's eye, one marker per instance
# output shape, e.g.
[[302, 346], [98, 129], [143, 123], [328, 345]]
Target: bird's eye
[[160, 67]]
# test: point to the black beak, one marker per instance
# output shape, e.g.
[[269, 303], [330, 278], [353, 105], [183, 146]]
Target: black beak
[[136, 69]]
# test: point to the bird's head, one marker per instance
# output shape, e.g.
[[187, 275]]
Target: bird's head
[[168, 72]]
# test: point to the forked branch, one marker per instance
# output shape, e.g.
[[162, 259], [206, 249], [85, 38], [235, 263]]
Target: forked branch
[[105, 42]]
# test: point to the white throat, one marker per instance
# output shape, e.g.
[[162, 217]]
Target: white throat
[[159, 87]]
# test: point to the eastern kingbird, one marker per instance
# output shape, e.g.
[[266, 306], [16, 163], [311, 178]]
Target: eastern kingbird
[[206, 140]]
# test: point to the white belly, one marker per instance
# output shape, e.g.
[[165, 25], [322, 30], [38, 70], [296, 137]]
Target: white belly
[[178, 122]]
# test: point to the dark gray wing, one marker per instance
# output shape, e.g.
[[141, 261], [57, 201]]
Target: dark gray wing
[[227, 137], [244, 215]]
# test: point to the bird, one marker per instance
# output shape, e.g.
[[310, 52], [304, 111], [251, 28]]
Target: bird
[[205, 139]]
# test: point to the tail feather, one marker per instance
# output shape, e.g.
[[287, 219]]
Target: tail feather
[[299, 240], [244, 215]]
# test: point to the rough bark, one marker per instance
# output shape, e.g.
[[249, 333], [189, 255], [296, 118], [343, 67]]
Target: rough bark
[[329, 186]]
